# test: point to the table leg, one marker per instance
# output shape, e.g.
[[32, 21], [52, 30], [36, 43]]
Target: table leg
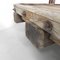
[[18, 18], [37, 36]]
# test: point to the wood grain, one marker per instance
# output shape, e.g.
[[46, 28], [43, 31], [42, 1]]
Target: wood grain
[[39, 15], [37, 36]]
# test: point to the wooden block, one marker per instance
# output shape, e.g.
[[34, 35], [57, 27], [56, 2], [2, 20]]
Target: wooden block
[[37, 36], [17, 18]]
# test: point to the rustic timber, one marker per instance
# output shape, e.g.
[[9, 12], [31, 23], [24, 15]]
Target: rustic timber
[[37, 36], [42, 19], [17, 18], [39, 14], [51, 1], [49, 11]]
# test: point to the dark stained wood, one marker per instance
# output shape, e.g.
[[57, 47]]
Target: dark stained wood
[[42, 22]]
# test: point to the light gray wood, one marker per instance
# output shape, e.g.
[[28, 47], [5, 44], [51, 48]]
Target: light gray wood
[[46, 17], [40, 21], [51, 12]]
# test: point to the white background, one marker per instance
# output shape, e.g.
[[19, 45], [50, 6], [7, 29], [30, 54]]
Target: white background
[[13, 42]]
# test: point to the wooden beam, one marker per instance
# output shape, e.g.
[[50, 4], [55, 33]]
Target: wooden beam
[[38, 36], [43, 16]]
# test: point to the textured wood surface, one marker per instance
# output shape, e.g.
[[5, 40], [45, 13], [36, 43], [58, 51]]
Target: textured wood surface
[[37, 36], [50, 11], [51, 1], [46, 17]]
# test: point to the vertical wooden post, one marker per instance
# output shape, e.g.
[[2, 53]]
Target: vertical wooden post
[[37, 36], [51, 1], [18, 18]]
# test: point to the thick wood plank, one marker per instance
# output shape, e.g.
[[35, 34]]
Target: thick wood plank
[[50, 11], [37, 36], [40, 21], [17, 18], [40, 15]]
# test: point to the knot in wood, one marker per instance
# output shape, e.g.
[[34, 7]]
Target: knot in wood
[[48, 26]]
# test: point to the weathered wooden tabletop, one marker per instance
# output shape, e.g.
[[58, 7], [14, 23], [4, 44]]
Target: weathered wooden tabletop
[[39, 14]]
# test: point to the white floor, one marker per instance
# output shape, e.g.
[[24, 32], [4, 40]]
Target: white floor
[[15, 46]]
